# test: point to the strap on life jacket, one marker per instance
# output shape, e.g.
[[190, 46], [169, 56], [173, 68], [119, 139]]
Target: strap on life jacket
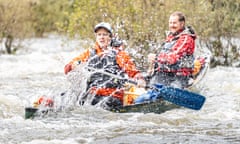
[[102, 84]]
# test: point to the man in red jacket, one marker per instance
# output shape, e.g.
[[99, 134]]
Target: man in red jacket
[[174, 64]]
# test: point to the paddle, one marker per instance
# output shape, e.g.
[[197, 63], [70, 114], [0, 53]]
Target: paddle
[[174, 95], [111, 75], [180, 97]]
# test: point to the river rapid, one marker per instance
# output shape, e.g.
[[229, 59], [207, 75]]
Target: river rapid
[[38, 69]]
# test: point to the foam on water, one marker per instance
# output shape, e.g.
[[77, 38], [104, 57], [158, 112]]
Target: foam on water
[[38, 69]]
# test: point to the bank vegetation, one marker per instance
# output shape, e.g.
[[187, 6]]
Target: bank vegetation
[[142, 23]]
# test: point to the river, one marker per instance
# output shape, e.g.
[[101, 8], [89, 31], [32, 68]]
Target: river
[[38, 70]]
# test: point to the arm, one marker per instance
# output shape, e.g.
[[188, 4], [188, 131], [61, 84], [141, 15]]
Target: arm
[[82, 58], [125, 62]]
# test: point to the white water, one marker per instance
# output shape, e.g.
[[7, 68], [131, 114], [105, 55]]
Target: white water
[[38, 70]]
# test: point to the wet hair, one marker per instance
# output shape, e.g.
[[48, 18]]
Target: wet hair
[[181, 16]]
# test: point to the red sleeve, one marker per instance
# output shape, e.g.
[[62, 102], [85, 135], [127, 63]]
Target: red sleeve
[[185, 44]]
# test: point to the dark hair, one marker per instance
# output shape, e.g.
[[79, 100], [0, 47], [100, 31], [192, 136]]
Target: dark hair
[[180, 15]]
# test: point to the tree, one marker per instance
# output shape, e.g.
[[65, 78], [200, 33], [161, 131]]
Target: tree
[[143, 22], [14, 21], [47, 14]]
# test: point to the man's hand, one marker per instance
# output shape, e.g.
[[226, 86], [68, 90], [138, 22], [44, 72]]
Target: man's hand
[[170, 59], [67, 68], [151, 60], [141, 83], [140, 80]]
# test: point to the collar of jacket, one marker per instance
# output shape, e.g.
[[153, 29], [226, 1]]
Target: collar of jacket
[[98, 49], [176, 33], [186, 30]]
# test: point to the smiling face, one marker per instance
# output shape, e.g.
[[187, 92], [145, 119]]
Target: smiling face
[[175, 24], [103, 38]]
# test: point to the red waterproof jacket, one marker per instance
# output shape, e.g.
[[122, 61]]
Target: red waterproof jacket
[[177, 53]]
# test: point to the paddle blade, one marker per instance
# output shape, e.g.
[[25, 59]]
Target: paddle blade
[[182, 97]]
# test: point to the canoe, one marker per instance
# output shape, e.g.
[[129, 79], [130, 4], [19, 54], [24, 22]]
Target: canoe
[[158, 107], [175, 98], [162, 98]]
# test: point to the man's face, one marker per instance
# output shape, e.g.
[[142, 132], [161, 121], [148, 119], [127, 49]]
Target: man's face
[[174, 24], [103, 37]]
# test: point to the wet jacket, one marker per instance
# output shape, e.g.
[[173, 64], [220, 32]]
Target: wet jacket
[[116, 62], [176, 55]]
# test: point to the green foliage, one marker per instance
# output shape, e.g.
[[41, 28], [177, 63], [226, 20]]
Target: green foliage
[[127, 17], [223, 23], [23, 18], [14, 21], [47, 13], [14, 17], [141, 22]]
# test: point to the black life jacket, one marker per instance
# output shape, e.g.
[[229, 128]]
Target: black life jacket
[[106, 62]]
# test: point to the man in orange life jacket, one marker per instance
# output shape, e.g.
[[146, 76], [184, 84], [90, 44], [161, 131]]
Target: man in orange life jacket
[[174, 64], [100, 86]]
